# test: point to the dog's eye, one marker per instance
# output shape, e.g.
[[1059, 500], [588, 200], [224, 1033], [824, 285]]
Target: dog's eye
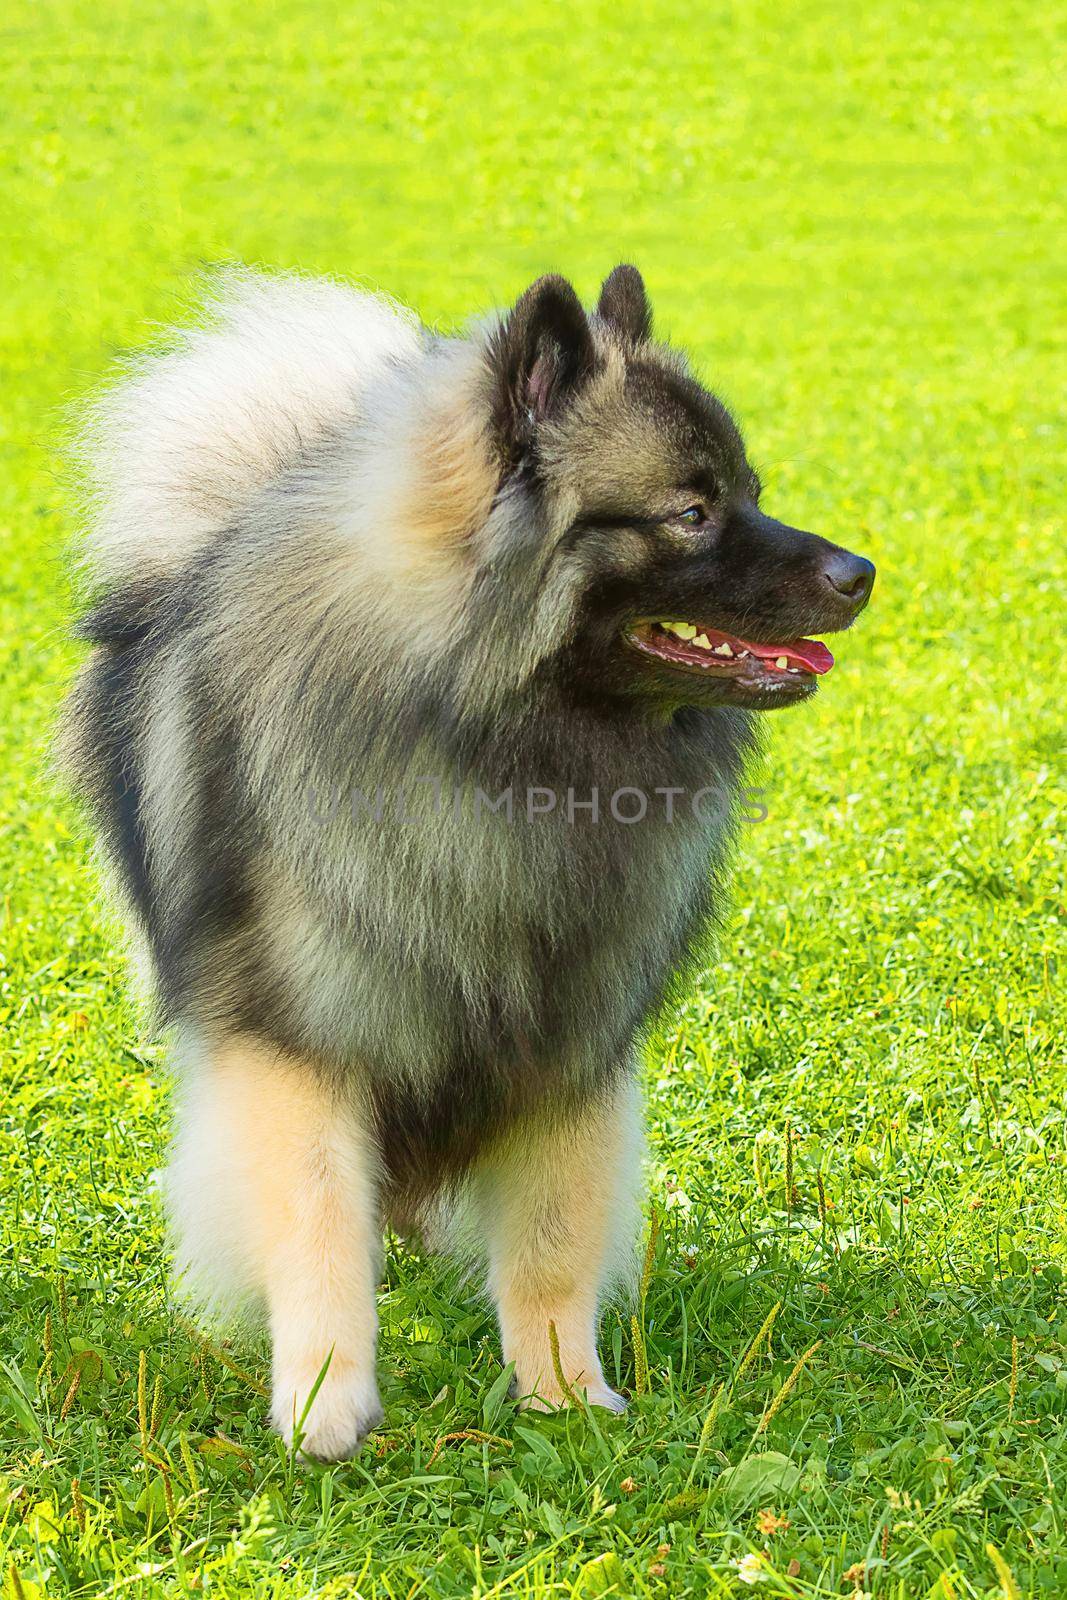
[[693, 516]]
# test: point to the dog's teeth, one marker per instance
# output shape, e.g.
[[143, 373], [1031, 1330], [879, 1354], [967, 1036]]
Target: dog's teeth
[[742, 654], [723, 649], [782, 661], [703, 641], [681, 630]]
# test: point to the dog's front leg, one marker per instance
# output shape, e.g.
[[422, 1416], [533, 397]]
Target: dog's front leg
[[556, 1202], [275, 1180]]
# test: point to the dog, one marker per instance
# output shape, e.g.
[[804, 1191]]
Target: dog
[[424, 676]]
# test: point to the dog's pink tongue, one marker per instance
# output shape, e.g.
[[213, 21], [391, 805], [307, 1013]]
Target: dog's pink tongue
[[811, 654]]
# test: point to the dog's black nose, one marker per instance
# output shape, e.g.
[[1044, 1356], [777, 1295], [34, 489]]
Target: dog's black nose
[[852, 576]]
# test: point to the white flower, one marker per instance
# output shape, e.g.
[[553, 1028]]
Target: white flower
[[750, 1569]]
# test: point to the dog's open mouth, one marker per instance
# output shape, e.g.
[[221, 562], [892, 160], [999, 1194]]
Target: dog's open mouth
[[691, 647]]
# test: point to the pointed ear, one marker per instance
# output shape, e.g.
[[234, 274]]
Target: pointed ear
[[542, 351], [624, 306]]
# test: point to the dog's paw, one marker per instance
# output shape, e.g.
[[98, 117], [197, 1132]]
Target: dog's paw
[[608, 1398], [341, 1415], [549, 1397]]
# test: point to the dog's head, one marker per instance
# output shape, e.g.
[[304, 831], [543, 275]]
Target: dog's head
[[679, 589]]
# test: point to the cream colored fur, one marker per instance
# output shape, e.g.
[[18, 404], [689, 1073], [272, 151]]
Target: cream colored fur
[[273, 1196], [555, 1201], [273, 1191], [190, 436]]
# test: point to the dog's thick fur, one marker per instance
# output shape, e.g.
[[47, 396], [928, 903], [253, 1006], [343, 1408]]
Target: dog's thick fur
[[339, 561]]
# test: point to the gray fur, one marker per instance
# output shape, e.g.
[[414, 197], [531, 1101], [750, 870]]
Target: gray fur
[[272, 637]]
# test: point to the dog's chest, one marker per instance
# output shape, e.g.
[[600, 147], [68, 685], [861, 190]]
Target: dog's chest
[[543, 941], [505, 943]]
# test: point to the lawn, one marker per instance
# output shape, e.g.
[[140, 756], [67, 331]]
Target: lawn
[[854, 1324]]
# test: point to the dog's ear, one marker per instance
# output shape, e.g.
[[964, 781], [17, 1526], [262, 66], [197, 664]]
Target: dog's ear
[[540, 354], [624, 306]]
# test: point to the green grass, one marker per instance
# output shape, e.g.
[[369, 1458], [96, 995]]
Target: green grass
[[854, 220]]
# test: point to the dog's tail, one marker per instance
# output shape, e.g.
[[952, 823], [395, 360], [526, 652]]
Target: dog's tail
[[192, 431]]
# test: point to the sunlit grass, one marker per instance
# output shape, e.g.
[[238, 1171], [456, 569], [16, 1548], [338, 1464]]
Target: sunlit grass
[[853, 222]]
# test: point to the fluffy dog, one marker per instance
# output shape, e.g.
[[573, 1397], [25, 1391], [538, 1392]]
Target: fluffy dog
[[423, 679]]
